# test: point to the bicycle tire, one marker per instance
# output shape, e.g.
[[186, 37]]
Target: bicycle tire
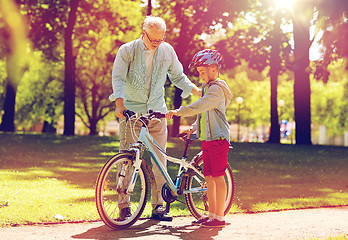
[[197, 203], [107, 195]]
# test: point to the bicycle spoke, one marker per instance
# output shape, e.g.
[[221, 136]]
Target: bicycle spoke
[[112, 184], [196, 194]]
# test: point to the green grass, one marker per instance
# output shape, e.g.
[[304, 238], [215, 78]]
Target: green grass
[[43, 177]]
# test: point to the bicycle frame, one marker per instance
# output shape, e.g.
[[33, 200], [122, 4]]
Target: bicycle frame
[[146, 139]]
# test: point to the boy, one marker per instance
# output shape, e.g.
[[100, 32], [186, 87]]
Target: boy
[[213, 129]]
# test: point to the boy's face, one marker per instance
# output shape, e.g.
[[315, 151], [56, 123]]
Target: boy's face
[[207, 74]]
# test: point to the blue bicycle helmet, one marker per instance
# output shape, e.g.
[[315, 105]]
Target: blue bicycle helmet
[[206, 57]]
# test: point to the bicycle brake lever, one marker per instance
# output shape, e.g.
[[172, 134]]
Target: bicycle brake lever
[[128, 114], [183, 136]]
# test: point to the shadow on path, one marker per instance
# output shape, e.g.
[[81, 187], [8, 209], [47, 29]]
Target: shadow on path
[[151, 229]]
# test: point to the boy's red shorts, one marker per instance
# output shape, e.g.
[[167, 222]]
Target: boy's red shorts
[[215, 155]]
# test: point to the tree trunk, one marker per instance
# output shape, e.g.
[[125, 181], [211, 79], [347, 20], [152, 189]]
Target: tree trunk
[[16, 59], [274, 72], [176, 120], [149, 8], [94, 117], [7, 122], [93, 127], [302, 90], [181, 51], [48, 127], [69, 81]]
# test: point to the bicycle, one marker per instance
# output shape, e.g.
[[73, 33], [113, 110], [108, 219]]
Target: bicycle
[[189, 180]]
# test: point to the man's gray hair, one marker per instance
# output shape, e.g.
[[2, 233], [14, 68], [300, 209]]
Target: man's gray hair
[[154, 22]]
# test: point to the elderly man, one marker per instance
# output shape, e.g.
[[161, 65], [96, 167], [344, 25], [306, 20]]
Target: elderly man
[[138, 77]]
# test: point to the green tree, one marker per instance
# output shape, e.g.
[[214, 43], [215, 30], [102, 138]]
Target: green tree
[[49, 23], [332, 19], [330, 13], [40, 94], [186, 21], [330, 100], [302, 90], [102, 28], [69, 73], [44, 26], [14, 38], [257, 37], [254, 88]]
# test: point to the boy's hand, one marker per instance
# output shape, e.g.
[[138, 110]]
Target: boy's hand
[[187, 132], [196, 91], [171, 113]]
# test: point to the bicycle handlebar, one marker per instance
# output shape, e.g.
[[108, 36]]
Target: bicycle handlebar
[[150, 115], [193, 136], [128, 114], [182, 135]]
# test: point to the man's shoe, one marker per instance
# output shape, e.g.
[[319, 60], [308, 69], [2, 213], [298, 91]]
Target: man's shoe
[[213, 223], [125, 213], [200, 221], [159, 213]]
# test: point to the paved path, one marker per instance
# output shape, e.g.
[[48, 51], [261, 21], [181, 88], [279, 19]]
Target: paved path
[[295, 224]]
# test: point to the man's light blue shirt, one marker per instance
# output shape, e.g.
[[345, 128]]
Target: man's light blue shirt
[[129, 77]]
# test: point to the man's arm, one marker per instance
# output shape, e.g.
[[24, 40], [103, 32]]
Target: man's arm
[[119, 73], [179, 79]]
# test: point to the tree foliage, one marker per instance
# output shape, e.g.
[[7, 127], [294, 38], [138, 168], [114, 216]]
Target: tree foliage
[[101, 29], [332, 19], [187, 20], [243, 31], [15, 43], [40, 94]]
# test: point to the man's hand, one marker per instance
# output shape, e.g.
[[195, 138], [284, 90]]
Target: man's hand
[[171, 113], [120, 108]]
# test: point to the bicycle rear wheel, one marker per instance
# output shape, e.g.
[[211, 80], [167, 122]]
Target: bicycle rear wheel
[[197, 202], [110, 188]]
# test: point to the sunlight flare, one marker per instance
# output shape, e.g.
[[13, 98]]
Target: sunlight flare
[[284, 4]]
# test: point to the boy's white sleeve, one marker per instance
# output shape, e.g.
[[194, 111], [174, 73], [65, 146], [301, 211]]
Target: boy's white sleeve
[[194, 126]]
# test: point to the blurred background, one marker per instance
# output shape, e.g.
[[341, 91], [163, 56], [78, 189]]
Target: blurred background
[[285, 62]]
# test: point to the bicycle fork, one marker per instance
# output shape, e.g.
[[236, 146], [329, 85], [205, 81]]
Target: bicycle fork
[[138, 149]]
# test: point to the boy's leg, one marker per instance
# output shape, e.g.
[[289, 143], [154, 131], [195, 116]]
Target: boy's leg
[[217, 200], [211, 191], [221, 189], [216, 161]]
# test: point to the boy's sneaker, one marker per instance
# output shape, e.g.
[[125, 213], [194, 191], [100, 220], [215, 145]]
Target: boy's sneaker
[[213, 223], [200, 221]]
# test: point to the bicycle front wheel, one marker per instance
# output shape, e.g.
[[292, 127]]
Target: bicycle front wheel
[[112, 183], [197, 201]]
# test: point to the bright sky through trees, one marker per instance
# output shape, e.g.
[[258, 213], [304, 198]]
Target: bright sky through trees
[[284, 4]]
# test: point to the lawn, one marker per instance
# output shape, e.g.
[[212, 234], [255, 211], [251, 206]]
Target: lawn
[[51, 178]]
